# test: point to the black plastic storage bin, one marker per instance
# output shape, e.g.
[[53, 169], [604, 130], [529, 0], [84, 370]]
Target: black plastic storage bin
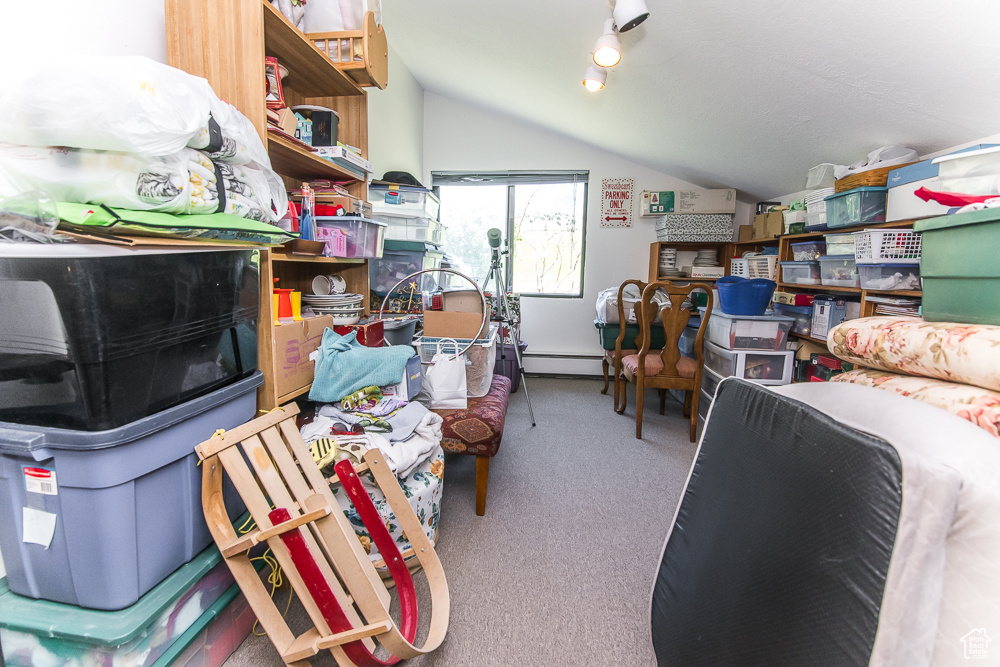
[[94, 337], [507, 366]]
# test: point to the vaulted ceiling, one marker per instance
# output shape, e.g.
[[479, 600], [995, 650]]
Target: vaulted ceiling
[[721, 92]]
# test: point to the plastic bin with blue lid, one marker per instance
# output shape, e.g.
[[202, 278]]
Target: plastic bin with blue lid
[[97, 519], [745, 332], [801, 314], [800, 273], [860, 206], [838, 271]]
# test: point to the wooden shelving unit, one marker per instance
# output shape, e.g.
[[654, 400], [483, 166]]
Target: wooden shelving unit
[[867, 308], [225, 41]]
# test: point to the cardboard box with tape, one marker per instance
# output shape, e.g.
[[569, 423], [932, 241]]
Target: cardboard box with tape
[[292, 345]]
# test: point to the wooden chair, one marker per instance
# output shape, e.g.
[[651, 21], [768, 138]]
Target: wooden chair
[[612, 358], [298, 517], [667, 368]]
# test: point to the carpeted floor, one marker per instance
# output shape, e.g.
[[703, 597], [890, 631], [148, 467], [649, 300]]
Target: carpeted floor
[[559, 571]]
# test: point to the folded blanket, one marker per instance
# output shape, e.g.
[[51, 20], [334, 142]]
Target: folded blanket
[[344, 365], [403, 421], [975, 404], [964, 353]]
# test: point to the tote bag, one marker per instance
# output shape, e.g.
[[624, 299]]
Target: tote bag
[[444, 380]]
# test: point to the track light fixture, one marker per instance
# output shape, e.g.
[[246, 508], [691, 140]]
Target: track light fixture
[[629, 13], [594, 78], [608, 49]]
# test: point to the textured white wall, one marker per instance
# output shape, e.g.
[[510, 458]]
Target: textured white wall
[[113, 27], [396, 123], [458, 136]]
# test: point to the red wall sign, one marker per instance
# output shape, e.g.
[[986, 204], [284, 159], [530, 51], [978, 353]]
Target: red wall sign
[[616, 202]]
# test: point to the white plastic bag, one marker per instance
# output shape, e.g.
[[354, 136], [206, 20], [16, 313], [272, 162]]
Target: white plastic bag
[[886, 156], [340, 15], [444, 380], [183, 183]]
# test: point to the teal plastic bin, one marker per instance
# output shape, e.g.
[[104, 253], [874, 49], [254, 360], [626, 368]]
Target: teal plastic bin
[[959, 267], [36, 632]]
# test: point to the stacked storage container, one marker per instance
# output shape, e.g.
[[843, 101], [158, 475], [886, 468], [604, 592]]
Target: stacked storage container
[[410, 213], [751, 348], [114, 364]]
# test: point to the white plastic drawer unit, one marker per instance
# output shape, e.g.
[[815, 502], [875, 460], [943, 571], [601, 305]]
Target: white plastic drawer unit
[[762, 366]]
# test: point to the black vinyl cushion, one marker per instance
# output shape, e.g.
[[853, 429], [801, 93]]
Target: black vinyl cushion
[[780, 549]]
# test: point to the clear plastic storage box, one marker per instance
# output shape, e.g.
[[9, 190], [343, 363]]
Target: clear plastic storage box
[[744, 332], [839, 244], [839, 271], [394, 265], [800, 273], [710, 382], [400, 228], [393, 199], [860, 206], [764, 367], [350, 237], [889, 276], [808, 251], [801, 314], [971, 173]]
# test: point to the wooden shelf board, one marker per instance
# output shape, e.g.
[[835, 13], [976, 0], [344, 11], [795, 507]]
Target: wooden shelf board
[[848, 230], [821, 288], [291, 160], [285, 257], [309, 70], [899, 292], [292, 394], [755, 242], [821, 341]]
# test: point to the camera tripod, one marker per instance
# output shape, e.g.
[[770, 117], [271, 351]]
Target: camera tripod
[[503, 313]]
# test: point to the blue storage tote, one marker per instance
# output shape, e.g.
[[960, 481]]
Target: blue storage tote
[[126, 503], [34, 632], [95, 337]]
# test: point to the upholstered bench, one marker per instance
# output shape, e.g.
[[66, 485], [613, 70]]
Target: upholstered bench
[[477, 430]]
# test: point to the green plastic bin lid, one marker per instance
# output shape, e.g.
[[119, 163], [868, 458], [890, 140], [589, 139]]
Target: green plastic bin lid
[[110, 628], [957, 220], [220, 226]]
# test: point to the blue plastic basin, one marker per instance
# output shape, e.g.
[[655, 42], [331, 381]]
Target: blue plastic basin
[[744, 296]]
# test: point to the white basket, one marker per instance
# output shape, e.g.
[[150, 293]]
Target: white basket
[[758, 266], [887, 246]]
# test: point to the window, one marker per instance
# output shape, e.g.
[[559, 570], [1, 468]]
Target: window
[[543, 219]]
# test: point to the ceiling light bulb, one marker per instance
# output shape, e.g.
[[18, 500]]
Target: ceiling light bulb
[[608, 50], [594, 78], [629, 13]]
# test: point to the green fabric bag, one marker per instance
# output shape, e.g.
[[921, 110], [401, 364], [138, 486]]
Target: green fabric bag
[[104, 220]]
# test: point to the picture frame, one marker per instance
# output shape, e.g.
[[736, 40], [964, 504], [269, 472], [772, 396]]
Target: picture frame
[[273, 95]]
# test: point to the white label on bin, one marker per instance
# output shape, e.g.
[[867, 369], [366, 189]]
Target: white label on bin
[[40, 480], [39, 526]]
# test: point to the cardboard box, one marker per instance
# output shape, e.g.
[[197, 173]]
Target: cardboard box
[[745, 233], [661, 202], [292, 344], [370, 334], [441, 324], [793, 298], [410, 385], [461, 301], [703, 271], [768, 225]]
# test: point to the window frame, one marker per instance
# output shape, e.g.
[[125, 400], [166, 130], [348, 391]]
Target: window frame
[[512, 179]]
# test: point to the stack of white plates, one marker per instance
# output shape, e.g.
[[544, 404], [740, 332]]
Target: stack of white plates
[[814, 200], [345, 308], [707, 257], [668, 263]]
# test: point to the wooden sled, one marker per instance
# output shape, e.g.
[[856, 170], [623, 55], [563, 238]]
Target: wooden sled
[[316, 546]]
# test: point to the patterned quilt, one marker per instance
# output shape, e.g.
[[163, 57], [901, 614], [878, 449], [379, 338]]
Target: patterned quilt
[[975, 404], [964, 353]]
